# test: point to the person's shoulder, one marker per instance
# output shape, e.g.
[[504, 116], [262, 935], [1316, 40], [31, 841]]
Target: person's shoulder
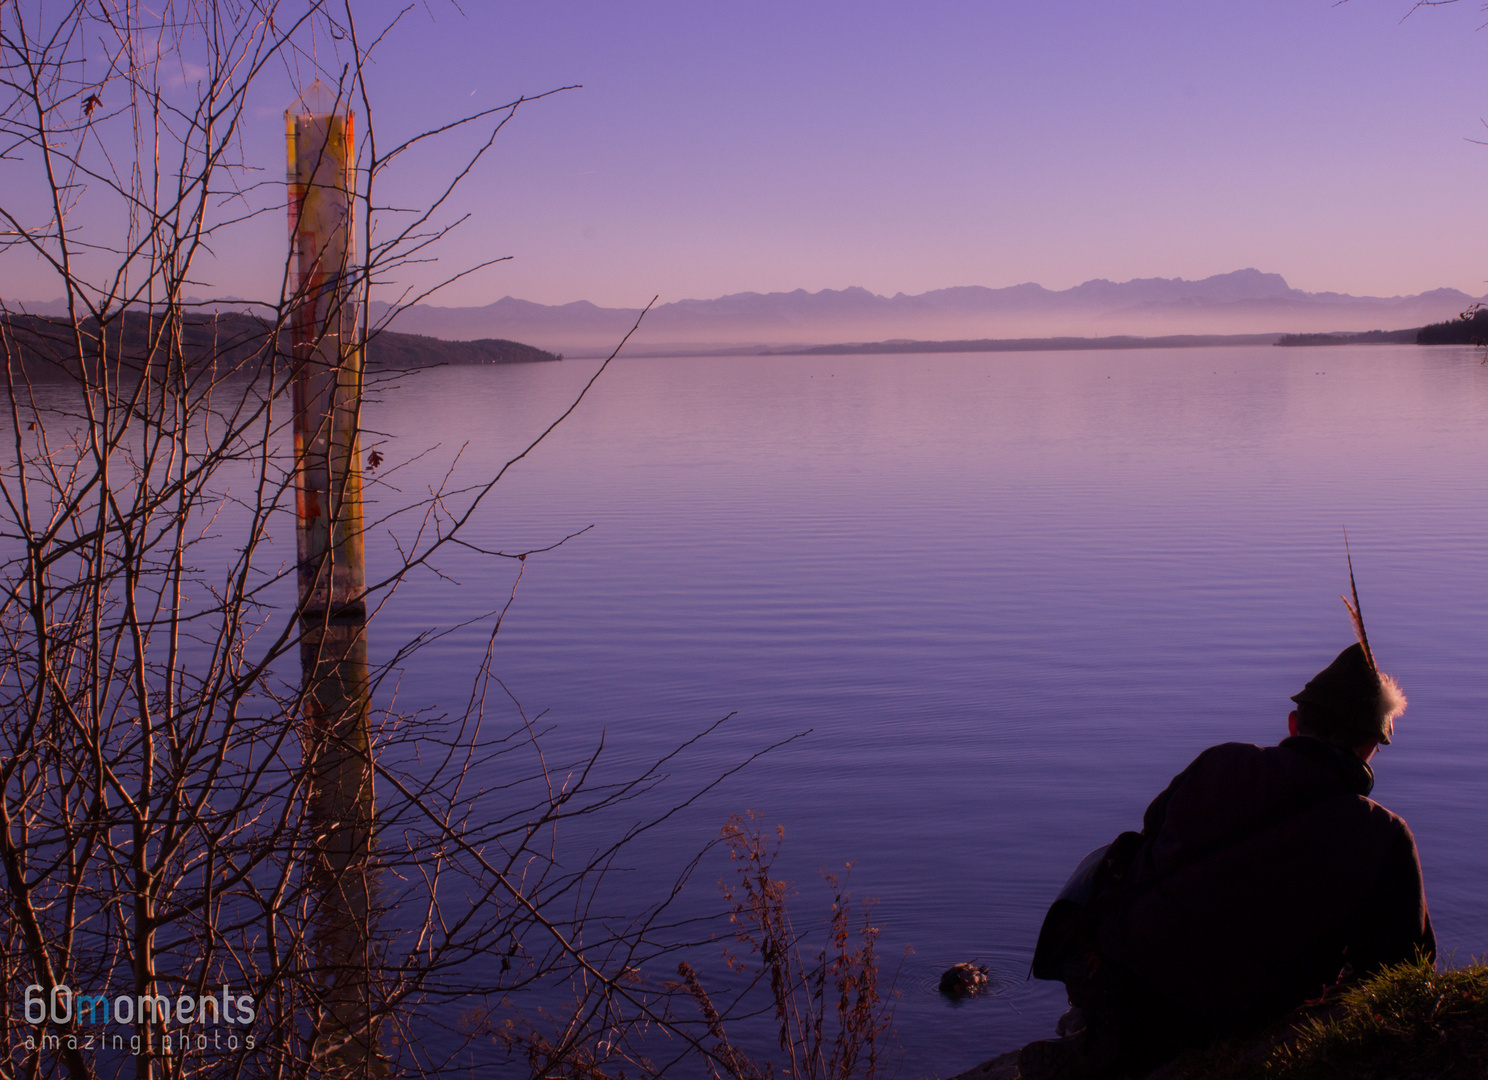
[[1254, 774], [1383, 816], [1359, 812], [1221, 767], [1230, 754]]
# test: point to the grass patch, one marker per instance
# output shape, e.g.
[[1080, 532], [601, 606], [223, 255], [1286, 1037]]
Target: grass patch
[[1409, 1022]]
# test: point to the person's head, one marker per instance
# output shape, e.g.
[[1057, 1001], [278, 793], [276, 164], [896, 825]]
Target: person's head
[[1349, 704]]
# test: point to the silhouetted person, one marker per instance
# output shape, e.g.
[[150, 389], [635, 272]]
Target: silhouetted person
[[1261, 876]]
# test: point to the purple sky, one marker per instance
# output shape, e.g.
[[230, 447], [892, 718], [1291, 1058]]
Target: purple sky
[[719, 148]]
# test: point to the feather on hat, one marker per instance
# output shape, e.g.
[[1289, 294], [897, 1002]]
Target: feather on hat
[[1360, 701]]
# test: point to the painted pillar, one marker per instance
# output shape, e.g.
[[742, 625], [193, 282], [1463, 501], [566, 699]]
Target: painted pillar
[[326, 354], [326, 360]]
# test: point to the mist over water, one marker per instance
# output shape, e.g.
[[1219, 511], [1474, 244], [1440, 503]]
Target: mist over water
[[1009, 596]]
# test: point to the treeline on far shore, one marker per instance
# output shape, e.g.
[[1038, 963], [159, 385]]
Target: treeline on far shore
[[1469, 328], [230, 340], [1366, 337]]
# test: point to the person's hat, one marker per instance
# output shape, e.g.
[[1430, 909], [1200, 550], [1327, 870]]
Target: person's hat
[[1356, 700]]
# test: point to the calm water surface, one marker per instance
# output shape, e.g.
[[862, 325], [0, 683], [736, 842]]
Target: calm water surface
[[1007, 595]]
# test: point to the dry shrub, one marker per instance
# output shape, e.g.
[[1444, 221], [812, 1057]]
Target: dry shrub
[[831, 1019], [829, 1012]]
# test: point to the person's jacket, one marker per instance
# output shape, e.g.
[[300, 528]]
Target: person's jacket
[[1261, 874]]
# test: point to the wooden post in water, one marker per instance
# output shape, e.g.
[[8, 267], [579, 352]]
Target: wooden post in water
[[327, 378], [327, 356]]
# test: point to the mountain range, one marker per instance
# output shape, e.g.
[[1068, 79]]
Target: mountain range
[[1243, 302]]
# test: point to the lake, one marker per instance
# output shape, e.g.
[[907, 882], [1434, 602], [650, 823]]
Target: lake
[[1006, 596]]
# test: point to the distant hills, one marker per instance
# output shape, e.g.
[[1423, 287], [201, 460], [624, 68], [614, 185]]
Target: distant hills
[[395, 350], [238, 341], [1243, 302]]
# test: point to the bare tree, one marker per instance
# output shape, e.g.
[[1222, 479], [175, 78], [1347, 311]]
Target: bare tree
[[194, 879], [223, 852]]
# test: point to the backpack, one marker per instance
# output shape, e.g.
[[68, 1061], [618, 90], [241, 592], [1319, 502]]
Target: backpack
[[1069, 929]]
